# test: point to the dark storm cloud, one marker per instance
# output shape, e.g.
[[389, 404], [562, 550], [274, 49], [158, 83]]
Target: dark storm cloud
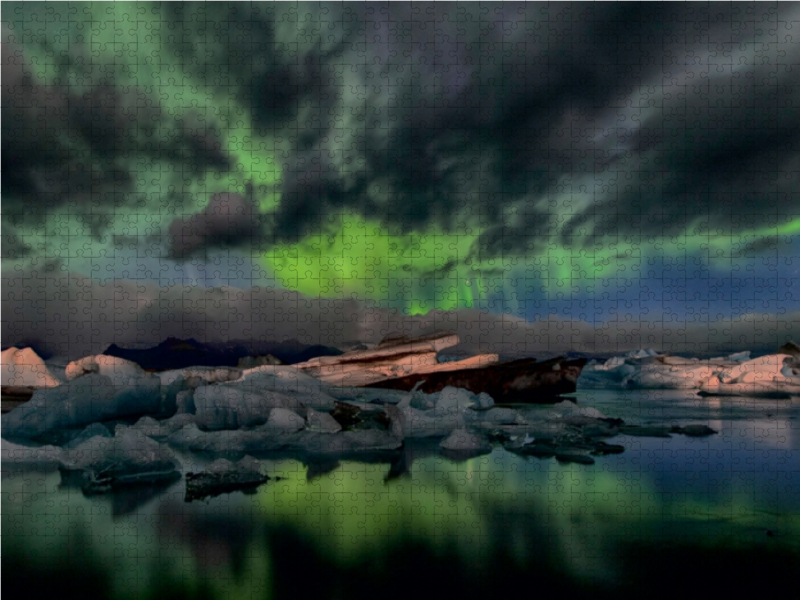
[[589, 119], [534, 122], [64, 148], [228, 220]]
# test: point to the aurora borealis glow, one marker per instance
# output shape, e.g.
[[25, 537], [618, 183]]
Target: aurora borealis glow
[[553, 163]]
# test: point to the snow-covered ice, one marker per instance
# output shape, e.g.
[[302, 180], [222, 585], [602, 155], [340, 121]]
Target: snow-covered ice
[[119, 370], [24, 368]]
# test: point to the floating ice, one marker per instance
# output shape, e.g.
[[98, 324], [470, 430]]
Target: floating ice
[[225, 407], [463, 440], [285, 419], [319, 421], [128, 457], [452, 399], [85, 400], [43, 456], [766, 376], [646, 369], [303, 389], [266, 439], [223, 476], [206, 374]]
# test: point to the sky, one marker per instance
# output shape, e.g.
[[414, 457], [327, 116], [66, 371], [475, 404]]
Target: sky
[[538, 177]]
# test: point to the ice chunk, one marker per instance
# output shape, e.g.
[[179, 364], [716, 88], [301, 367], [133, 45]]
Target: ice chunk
[[128, 457], [208, 375], [225, 407], [265, 439], [497, 416], [84, 400], [285, 419], [223, 476], [93, 430], [565, 407], [485, 400], [319, 421], [71, 405], [463, 440], [660, 376], [452, 399], [304, 389], [24, 368], [184, 402], [148, 426], [611, 374], [421, 424], [119, 370], [763, 368], [767, 376], [43, 456]]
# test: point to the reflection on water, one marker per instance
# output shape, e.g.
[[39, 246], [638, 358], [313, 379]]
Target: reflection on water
[[702, 513]]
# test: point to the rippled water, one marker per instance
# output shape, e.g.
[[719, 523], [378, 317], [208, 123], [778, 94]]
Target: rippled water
[[667, 514]]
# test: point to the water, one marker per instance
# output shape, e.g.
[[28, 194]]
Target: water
[[668, 515]]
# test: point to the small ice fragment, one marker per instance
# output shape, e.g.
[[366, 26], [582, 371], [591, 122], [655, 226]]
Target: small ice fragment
[[320, 421], [285, 419], [461, 439]]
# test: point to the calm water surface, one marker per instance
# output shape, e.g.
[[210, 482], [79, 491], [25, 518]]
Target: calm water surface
[[669, 515]]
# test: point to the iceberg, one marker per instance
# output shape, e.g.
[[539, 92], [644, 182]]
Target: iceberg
[[770, 376], [320, 421], [267, 439], [463, 440], [22, 368], [119, 370], [305, 391], [207, 375], [82, 401], [128, 457], [41, 456], [646, 369], [225, 407], [223, 477]]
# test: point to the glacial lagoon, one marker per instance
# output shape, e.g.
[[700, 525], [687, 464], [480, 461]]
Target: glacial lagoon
[[715, 513]]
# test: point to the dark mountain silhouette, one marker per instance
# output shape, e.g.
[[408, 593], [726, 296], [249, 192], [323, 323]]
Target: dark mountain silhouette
[[174, 353]]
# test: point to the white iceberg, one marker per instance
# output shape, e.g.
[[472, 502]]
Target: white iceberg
[[766, 376], [208, 375], [119, 370], [24, 368], [646, 369]]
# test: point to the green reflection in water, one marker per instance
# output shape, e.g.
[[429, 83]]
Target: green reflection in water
[[576, 519]]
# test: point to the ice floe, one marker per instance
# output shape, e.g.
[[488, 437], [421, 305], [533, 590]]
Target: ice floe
[[735, 374]]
